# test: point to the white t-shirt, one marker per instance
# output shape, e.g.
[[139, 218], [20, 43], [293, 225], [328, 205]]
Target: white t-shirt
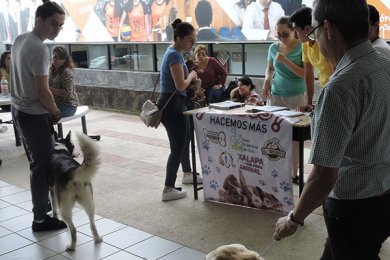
[[382, 47], [30, 58], [254, 15]]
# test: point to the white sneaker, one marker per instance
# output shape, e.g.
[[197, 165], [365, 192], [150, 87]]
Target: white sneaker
[[188, 179], [173, 194]]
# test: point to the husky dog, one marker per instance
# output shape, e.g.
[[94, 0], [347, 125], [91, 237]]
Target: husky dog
[[70, 182], [233, 252]]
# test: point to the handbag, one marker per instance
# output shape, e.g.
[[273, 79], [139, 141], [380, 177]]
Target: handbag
[[151, 115]]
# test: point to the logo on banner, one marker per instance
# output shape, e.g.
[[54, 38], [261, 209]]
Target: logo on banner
[[215, 137], [273, 150], [226, 159]]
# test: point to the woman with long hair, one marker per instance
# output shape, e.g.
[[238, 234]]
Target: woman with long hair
[[61, 82], [175, 78]]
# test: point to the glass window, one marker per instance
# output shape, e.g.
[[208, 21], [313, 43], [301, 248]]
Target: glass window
[[120, 57], [230, 55], [79, 55], [97, 56], [160, 51], [142, 56], [256, 59]]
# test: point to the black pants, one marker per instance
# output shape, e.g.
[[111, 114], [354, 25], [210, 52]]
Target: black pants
[[176, 125], [356, 228]]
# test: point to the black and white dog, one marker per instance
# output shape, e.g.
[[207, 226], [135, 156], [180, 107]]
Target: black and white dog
[[70, 182]]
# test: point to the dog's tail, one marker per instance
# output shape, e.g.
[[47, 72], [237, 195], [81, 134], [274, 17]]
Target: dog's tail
[[91, 162]]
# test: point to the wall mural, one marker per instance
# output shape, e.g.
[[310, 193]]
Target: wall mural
[[149, 20]]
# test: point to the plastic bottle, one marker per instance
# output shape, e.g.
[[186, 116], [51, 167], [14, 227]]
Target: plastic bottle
[[4, 87]]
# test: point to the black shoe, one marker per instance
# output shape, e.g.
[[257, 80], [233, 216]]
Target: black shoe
[[295, 180], [48, 224]]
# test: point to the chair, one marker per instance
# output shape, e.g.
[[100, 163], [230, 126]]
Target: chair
[[224, 32], [237, 34]]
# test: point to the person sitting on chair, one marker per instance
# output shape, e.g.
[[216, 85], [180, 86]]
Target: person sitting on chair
[[245, 92]]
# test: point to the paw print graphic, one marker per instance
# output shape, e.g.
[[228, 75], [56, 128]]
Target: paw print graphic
[[274, 173], [284, 186], [206, 170], [275, 189], [288, 201], [210, 159], [219, 170], [206, 145], [214, 184], [262, 183]]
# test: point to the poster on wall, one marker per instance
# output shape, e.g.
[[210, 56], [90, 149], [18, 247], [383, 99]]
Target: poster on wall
[[246, 159], [149, 20]]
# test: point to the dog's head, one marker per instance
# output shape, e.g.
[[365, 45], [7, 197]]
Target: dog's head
[[65, 145], [233, 252]]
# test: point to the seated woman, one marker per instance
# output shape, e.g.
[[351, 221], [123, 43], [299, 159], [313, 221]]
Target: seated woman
[[245, 92], [61, 82], [212, 74]]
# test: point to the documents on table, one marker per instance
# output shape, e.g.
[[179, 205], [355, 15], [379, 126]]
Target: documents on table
[[226, 105], [255, 109]]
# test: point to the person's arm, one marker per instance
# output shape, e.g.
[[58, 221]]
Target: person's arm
[[122, 20], [320, 182], [45, 96], [221, 72], [297, 70], [269, 74], [178, 76], [67, 85], [309, 80]]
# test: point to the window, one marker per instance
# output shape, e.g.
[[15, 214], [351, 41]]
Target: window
[[97, 56], [230, 55], [120, 57]]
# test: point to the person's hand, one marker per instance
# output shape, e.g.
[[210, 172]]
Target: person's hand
[[193, 75], [215, 87], [265, 93], [280, 57], [56, 117], [305, 108], [284, 229]]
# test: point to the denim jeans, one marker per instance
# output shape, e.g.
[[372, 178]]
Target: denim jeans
[[214, 95], [36, 134], [66, 110], [356, 228], [176, 125]]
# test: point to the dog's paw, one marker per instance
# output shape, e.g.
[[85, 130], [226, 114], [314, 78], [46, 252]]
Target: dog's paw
[[98, 239], [71, 247]]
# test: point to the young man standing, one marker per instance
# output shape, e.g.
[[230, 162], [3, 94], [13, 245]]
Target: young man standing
[[33, 108], [311, 55], [350, 138]]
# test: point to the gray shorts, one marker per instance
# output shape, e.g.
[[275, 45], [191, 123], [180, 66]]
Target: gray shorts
[[289, 102]]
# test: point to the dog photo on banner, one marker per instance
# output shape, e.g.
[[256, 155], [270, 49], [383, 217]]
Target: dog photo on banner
[[246, 159]]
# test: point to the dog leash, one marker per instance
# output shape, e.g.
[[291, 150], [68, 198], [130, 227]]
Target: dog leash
[[268, 247]]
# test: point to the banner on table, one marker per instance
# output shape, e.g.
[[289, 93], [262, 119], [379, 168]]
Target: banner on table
[[246, 159]]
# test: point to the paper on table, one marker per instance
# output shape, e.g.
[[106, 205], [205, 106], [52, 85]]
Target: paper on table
[[266, 108], [289, 113]]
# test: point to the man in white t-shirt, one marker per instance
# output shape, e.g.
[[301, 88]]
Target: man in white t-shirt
[[255, 16], [33, 108], [378, 43]]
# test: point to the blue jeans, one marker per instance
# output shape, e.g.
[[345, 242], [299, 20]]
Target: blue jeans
[[356, 228], [176, 125], [214, 95], [36, 134], [66, 110]]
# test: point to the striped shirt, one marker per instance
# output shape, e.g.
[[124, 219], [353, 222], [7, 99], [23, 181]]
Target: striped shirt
[[351, 124]]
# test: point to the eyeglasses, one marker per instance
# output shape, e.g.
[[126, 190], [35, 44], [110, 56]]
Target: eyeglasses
[[311, 35], [284, 35]]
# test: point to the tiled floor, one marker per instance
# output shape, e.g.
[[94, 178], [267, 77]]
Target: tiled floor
[[17, 241]]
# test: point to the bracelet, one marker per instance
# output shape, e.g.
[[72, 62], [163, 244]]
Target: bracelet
[[291, 220]]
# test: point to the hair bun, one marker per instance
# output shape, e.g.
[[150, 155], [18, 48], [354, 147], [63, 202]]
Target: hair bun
[[176, 22]]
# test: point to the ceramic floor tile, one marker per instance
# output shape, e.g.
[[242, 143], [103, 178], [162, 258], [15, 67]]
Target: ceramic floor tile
[[104, 226], [27, 205], [11, 212], [39, 236], [80, 218], [121, 255], [91, 250], [184, 253], [18, 197], [59, 242], [32, 251], [4, 231], [3, 184], [4, 204], [12, 242], [126, 237], [18, 223], [9, 190], [153, 248], [58, 257]]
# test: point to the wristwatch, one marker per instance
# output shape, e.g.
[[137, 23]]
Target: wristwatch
[[290, 219]]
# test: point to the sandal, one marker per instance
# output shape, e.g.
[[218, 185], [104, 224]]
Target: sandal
[[295, 179]]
